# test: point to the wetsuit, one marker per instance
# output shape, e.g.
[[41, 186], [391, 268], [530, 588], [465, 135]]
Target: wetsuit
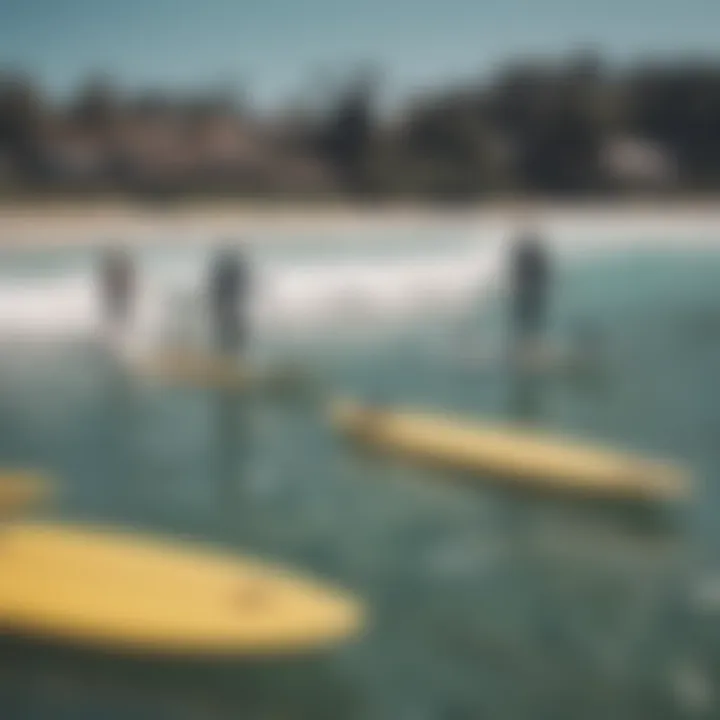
[[530, 286], [117, 288], [229, 286]]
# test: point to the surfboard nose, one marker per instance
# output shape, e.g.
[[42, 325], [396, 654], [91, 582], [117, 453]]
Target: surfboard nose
[[663, 481], [302, 613]]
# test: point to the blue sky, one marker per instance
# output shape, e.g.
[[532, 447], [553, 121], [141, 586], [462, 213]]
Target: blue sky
[[274, 46]]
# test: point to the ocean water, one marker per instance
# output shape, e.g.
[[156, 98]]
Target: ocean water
[[482, 604]]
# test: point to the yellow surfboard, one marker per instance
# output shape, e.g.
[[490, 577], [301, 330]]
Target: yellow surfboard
[[522, 458], [119, 591], [20, 489], [201, 370]]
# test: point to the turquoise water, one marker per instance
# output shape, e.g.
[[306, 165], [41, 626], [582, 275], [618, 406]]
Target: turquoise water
[[483, 604]]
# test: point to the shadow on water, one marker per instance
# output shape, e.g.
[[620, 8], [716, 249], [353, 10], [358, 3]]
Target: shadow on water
[[46, 680]]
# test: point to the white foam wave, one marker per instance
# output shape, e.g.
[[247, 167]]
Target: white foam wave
[[351, 292]]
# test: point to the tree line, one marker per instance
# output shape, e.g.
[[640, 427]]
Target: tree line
[[569, 127]]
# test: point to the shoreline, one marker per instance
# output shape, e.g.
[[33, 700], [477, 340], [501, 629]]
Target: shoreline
[[51, 223]]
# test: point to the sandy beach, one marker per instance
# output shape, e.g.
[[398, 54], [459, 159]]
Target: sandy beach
[[34, 224]]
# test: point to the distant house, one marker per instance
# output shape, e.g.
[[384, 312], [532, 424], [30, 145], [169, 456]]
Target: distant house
[[145, 148], [173, 150], [638, 163], [70, 155]]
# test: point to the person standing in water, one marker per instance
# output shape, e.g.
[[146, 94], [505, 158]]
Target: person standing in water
[[117, 286], [530, 288], [229, 291]]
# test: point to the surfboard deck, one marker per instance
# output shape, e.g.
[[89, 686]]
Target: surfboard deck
[[203, 370], [91, 586], [518, 457]]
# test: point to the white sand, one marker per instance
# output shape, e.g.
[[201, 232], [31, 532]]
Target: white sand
[[76, 224]]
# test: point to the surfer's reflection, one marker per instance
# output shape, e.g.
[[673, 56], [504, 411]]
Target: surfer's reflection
[[525, 398], [120, 457], [233, 445]]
